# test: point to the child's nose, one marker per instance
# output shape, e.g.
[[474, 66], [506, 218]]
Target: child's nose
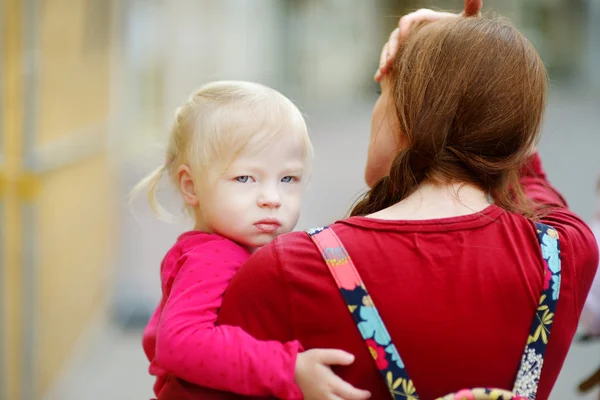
[[270, 198]]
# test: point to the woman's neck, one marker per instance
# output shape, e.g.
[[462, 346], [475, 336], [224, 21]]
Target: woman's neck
[[434, 201]]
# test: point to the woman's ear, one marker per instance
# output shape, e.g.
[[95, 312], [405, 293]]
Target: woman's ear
[[185, 184], [385, 140]]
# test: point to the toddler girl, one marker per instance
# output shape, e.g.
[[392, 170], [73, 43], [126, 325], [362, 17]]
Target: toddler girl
[[239, 154]]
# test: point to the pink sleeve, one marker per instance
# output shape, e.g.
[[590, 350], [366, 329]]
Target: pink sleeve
[[190, 346]]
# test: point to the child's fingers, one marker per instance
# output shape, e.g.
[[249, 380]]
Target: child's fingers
[[346, 391], [334, 357]]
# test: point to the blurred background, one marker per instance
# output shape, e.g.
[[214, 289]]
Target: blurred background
[[88, 89]]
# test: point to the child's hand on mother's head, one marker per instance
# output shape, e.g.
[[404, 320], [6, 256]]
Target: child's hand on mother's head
[[399, 35]]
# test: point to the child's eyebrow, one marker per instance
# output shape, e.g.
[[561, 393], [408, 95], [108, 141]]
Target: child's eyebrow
[[267, 167], [294, 168]]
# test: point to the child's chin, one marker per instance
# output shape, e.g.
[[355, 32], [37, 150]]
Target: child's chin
[[262, 240]]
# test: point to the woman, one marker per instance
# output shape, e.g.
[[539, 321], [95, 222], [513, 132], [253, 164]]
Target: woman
[[445, 239]]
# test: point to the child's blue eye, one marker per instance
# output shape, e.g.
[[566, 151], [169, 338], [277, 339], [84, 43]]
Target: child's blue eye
[[243, 178], [287, 179]]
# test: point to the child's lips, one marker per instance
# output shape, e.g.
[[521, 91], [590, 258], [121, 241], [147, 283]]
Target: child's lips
[[268, 225]]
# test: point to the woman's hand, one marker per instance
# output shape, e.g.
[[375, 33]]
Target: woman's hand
[[317, 381], [399, 35]]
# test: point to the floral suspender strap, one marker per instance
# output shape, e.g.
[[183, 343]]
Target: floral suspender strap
[[361, 307], [379, 341], [532, 361]]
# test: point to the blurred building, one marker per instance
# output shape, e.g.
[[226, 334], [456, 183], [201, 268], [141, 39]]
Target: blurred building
[[87, 92], [57, 196]]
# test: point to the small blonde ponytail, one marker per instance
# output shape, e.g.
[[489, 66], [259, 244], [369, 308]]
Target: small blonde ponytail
[[149, 184]]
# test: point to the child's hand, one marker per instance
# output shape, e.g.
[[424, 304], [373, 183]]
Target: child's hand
[[318, 382]]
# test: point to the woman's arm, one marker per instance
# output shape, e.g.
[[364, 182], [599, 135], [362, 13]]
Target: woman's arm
[[578, 245], [537, 187], [190, 346]]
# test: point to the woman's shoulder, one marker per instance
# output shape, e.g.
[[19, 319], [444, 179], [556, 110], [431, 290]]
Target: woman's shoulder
[[577, 246], [299, 243], [286, 248], [578, 243], [289, 248]]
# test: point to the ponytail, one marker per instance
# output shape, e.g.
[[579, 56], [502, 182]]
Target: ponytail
[[149, 184], [464, 117]]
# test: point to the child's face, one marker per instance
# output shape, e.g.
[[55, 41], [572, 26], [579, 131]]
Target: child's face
[[259, 195]]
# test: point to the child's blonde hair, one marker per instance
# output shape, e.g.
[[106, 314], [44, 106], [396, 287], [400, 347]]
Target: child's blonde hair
[[218, 122]]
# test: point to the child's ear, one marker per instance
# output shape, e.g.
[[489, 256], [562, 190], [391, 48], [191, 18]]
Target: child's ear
[[186, 186]]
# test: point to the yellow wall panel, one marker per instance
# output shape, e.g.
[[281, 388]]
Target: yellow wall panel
[[61, 218], [73, 81], [12, 100], [74, 219]]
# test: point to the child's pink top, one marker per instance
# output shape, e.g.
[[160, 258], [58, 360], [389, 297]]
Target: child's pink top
[[181, 338]]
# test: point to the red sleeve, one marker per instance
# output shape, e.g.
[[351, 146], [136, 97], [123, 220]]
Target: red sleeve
[[579, 250], [191, 347], [536, 185]]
